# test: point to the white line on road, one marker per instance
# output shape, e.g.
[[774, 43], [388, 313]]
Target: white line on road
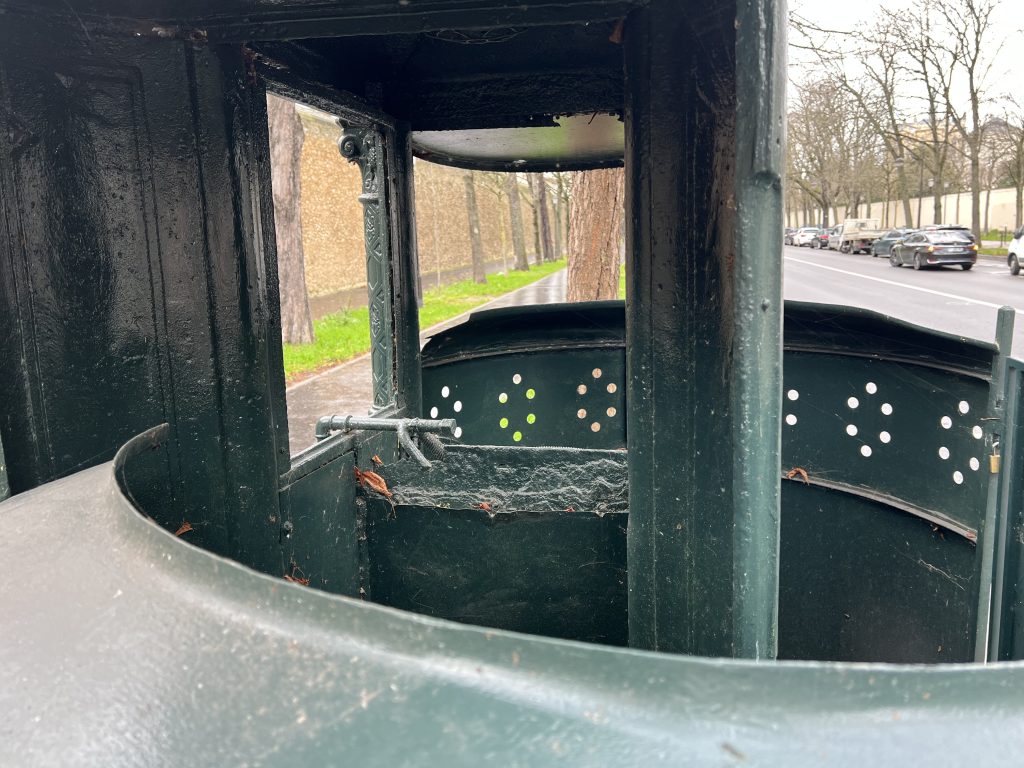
[[901, 285]]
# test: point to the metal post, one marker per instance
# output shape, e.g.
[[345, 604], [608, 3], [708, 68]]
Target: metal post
[[992, 539], [704, 127], [364, 145]]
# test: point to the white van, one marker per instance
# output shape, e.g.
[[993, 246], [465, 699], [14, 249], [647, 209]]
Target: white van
[[1015, 251]]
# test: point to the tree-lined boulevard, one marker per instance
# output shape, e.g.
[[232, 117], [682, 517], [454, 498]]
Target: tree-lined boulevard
[[945, 299]]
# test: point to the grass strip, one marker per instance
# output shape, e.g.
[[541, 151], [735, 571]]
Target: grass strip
[[346, 334]]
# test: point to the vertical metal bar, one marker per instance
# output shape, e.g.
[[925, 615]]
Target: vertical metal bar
[[760, 133], [993, 522], [1005, 579], [704, 134], [405, 290], [365, 146]]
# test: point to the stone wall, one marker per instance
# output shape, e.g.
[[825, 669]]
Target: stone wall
[[332, 221]]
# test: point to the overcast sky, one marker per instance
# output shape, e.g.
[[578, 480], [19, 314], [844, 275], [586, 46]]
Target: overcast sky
[[1007, 74]]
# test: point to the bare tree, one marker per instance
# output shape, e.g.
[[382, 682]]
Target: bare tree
[[286, 139], [967, 39], [931, 68], [1012, 139], [594, 234], [475, 242], [814, 163], [874, 93], [516, 217], [540, 203]]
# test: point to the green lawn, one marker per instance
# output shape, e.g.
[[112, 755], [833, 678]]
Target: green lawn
[[346, 334], [992, 252]]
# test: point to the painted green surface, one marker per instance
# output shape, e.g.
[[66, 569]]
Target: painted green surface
[[704, 129], [344, 335]]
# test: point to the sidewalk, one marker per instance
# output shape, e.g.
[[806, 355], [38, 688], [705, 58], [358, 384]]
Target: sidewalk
[[346, 389]]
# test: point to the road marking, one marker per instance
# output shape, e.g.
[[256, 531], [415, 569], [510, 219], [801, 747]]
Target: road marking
[[902, 285]]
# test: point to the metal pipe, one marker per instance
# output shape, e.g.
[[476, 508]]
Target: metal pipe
[[404, 428]]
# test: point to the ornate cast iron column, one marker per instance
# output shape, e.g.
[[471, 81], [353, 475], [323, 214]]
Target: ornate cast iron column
[[364, 145]]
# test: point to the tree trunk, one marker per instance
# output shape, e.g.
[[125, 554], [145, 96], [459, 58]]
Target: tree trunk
[[475, 243], [988, 205], [516, 220], [286, 138], [556, 229], [976, 194], [1020, 206], [901, 178], [594, 233], [563, 198], [540, 201], [937, 200]]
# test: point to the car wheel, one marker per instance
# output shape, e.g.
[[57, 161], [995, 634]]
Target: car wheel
[[1014, 264], [893, 261], [966, 267], [917, 261]]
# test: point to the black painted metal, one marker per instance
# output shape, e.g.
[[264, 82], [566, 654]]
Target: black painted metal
[[139, 287], [138, 270], [479, 539]]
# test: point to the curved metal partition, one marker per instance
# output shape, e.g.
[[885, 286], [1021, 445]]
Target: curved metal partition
[[885, 465]]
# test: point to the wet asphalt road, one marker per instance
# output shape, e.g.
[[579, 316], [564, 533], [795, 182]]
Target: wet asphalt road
[[945, 299]]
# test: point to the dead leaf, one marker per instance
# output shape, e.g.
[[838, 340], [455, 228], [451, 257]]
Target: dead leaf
[[798, 472], [483, 505], [616, 35], [377, 461], [297, 576], [185, 528], [374, 481]]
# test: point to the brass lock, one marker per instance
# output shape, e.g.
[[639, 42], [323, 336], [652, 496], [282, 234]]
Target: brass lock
[[994, 459]]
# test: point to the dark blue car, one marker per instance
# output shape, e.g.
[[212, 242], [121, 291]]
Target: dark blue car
[[883, 245]]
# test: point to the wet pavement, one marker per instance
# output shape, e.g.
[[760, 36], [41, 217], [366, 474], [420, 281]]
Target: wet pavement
[[347, 389]]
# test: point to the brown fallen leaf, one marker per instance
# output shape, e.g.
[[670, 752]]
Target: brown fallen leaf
[[185, 528], [377, 461], [483, 505], [297, 576], [616, 35], [798, 472], [374, 481]]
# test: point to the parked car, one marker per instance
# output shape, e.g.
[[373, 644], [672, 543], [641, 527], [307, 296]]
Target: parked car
[[950, 228], [857, 235], [883, 245], [936, 248], [787, 235], [804, 236], [1015, 251], [822, 238]]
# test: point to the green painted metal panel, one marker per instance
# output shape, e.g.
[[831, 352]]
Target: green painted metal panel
[[703, 324], [248, 664], [863, 581], [320, 535], [907, 431], [531, 540]]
